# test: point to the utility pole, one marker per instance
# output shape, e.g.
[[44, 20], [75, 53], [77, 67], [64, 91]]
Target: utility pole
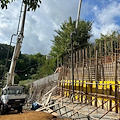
[[71, 36]]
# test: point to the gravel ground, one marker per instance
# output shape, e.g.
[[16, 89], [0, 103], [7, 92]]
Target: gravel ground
[[31, 115]]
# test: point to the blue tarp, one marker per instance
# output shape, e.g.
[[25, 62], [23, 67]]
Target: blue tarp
[[35, 106]]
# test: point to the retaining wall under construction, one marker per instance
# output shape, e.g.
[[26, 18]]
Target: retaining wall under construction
[[92, 83], [40, 87]]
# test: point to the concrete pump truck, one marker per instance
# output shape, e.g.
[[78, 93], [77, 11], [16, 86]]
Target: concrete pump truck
[[13, 96]]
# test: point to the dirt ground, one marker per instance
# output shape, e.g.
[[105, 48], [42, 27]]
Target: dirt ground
[[32, 115]]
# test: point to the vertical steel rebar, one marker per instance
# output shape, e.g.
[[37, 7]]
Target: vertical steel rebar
[[72, 67]]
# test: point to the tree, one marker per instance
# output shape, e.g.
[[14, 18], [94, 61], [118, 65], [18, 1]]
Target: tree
[[16, 79], [47, 68], [27, 65], [32, 4], [61, 42], [106, 39]]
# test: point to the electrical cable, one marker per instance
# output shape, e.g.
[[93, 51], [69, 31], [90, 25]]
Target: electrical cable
[[26, 68]]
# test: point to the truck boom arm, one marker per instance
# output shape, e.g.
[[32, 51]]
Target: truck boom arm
[[10, 77]]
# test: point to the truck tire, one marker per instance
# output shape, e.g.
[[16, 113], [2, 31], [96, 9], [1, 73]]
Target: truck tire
[[2, 110], [20, 109]]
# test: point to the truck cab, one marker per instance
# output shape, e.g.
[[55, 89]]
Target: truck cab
[[12, 98]]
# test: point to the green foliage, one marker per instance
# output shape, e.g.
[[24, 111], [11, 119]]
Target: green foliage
[[3, 52], [26, 88], [3, 55], [32, 4], [4, 3], [27, 65], [62, 42], [25, 82], [107, 38], [16, 79], [48, 68], [113, 36]]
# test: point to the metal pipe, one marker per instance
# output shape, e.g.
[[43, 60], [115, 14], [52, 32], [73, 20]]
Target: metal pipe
[[7, 59], [23, 20], [78, 15], [19, 18]]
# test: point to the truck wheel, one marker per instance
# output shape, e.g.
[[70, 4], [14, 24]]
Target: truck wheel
[[20, 109], [2, 111]]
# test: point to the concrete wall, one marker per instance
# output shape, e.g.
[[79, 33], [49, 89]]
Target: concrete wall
[[42, 86], [45, 80]]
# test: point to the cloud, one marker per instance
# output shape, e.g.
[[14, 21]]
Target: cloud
[[40, 25], [8, 22], [106, 18]]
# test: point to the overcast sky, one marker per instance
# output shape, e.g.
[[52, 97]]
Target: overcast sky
[[40, 25]]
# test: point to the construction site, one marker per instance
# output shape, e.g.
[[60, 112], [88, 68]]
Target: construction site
[[85, 85], [94, 93]]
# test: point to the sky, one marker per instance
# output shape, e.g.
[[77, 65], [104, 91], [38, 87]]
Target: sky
[[40, 25]]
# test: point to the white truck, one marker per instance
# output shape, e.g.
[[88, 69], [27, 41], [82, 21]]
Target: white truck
[[13, 96]]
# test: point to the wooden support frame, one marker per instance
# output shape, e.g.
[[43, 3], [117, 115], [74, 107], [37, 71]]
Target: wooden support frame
[[112, 50], [82, 73], [96, 77], [116, 85], [104, 71], [86, 56]]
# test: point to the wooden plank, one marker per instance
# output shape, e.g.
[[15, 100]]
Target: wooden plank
[[43, 108], [54, 113], [49, 97], [50, 91]]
